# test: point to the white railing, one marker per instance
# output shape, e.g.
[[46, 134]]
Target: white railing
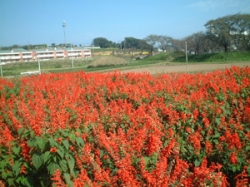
[[45, 55], [30, 73], [27, 56], [9, 57], [87, 53], [74, 54]]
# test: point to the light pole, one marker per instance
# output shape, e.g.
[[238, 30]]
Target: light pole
[[1, 68], [186, 56], [39, 66], [64, 25]]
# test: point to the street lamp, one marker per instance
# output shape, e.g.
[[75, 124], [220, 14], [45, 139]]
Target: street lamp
[[1, 68], [64, 25], [39, 65], [186, 55]]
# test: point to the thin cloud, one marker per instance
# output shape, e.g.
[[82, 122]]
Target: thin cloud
[[207, 5]]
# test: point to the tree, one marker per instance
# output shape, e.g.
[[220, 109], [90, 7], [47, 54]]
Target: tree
[[210, 46], [165, 43], [102, 42], [230, 31], [178, 44], [241, 31], [143, 45], [152, 39], [130, 42], [159, 41], [196, 41]]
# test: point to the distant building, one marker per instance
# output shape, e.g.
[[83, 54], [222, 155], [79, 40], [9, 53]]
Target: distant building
[[22, 55], [15, 55]]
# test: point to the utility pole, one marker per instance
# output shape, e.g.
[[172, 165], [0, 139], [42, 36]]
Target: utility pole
[[186, 55], [72, 62], [64, 25], [39, 66], [1, 68]]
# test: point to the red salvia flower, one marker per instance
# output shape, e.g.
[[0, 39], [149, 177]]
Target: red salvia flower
[[56, 178], [233, 158], [53, 150]]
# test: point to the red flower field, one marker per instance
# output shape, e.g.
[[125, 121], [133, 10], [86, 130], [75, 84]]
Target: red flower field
[[126, 129]]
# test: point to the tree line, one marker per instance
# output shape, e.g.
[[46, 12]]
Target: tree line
[[228, 33]]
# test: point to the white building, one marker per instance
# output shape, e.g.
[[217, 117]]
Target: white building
[[22, 55], [15, 55]]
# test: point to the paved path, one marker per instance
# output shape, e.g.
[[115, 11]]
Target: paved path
[[183, 68]]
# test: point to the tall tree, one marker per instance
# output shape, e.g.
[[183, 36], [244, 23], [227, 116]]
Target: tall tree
[[241, 31], [230, 30], [165, 42], [102, 42], [178, 44], [152, 39], [210, 46], [131, 42], [195, 42], [159, 41]]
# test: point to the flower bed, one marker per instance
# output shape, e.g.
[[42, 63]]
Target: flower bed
[[114, 129]]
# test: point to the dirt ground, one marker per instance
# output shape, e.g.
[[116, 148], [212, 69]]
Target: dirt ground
[[157, 69]]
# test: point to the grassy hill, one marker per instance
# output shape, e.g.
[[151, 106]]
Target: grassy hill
[[107, 63], [215, 57]]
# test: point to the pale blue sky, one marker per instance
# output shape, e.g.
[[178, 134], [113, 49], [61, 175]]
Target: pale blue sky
[[25, 22]]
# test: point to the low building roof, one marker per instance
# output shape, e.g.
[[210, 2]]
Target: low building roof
[[15, 50]]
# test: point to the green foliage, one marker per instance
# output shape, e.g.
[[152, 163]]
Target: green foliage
[[229, 29], [47, 152], [102, 42], [215, 57]]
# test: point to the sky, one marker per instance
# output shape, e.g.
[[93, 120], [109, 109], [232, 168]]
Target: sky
[[25, 22]]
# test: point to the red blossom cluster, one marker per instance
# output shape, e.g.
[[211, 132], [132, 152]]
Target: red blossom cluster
[[138, 129]]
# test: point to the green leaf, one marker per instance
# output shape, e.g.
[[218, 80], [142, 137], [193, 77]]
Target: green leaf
[[67, 179], [61, 153], [215, 141], [4, 161], [37, 160], [52, 167], [146, 159], [20, 131], [32, 143], [217, 121], [72, 137], [65, 133], [197, 163], [234, 168], [41, 143], [18, 179], [240, 160], [4, 175], [216, 135], [10, 182], [46, 156], [248, 148], [28, 181], [71, 164], [16, 149], [79, 141], [52, 142], [165, 143], [248, 170], [16, 167], [102, 153], [183, 149], [66, 144], [63, 165]]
